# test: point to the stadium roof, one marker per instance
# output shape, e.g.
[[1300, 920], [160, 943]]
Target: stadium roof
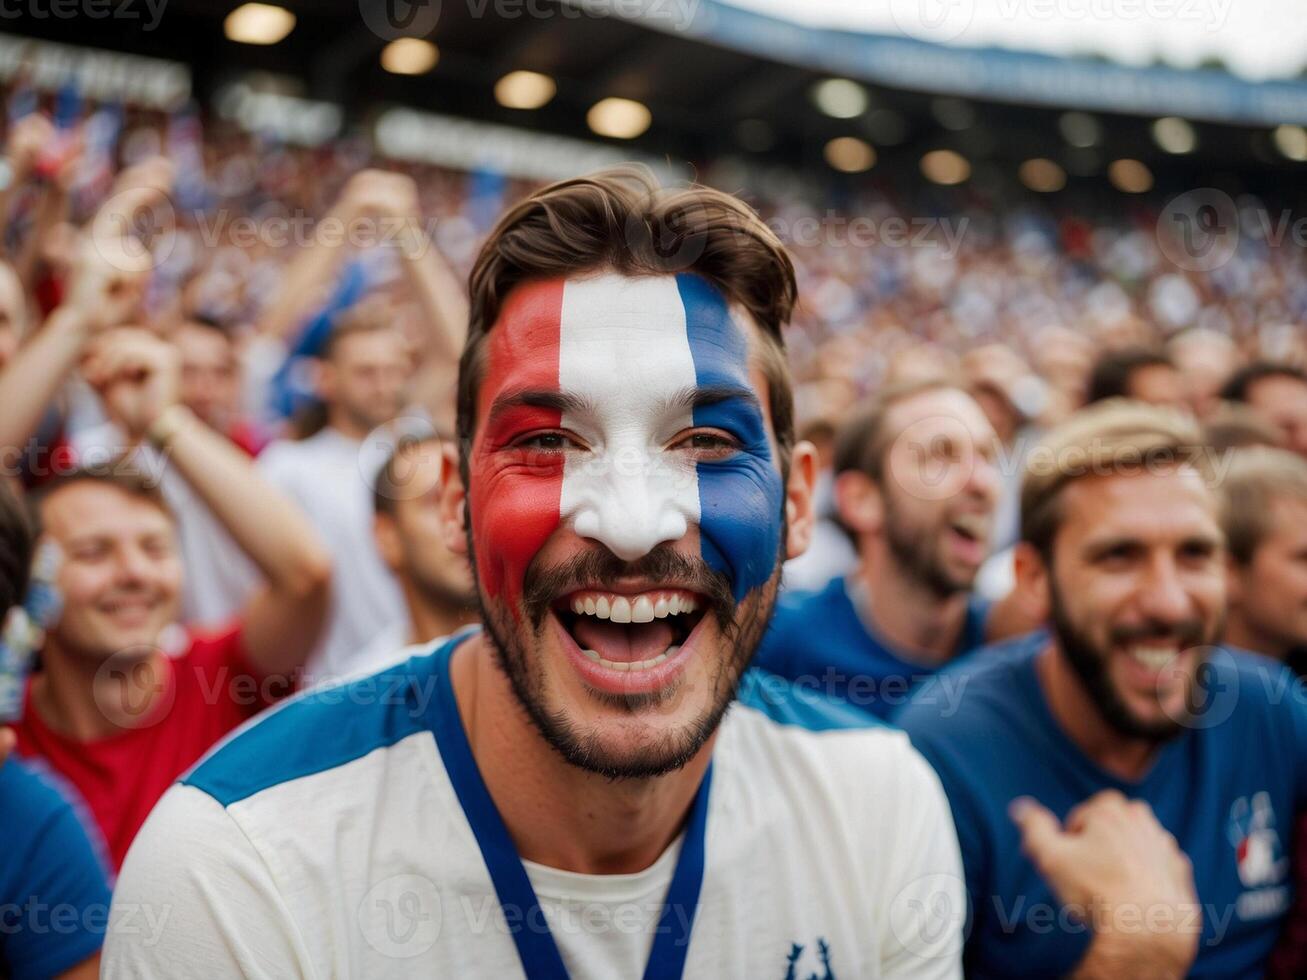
[[719, 80]]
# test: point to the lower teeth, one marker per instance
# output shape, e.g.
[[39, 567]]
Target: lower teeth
[[635, 665]]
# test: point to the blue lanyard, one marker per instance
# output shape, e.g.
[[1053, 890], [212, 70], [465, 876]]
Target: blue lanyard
[[536, 948]]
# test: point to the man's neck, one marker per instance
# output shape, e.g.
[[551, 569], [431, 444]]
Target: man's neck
[[342, 422], [430, 618], [557, 814], [914, 619], [77, 697], [1075, 712], [1240, 633]]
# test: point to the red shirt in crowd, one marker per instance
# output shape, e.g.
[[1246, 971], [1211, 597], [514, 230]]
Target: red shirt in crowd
[[209, 690]]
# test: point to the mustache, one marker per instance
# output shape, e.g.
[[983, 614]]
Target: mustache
[[1190, 632], [544, 583]]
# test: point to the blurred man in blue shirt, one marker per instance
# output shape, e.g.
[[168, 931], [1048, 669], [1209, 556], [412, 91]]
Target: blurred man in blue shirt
[[916, 487], [1124, 788]]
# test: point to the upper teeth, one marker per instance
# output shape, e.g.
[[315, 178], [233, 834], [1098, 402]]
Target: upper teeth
[[1154, 657], [621, 609], [972, 524]]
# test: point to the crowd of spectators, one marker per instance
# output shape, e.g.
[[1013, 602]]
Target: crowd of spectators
[[227, 368]]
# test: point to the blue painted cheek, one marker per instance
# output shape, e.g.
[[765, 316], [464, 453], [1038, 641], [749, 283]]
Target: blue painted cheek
[[740, 525], [741, 498]]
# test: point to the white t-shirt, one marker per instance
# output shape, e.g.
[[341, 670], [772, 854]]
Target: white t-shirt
[[327, 839], [219, 577], [331, 477]]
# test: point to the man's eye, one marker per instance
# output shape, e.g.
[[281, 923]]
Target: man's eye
[[709, 443], [550, 442]]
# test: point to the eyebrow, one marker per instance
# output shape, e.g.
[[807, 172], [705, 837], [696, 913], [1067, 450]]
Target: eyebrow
[[702, 396], [560, 401], [690, 396]]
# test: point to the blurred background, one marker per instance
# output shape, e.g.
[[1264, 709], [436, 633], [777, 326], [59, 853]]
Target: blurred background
[[1054, 175]]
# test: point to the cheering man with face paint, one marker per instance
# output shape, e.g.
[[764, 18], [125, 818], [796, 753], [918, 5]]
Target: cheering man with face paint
[[1124, 788], [569, 791]]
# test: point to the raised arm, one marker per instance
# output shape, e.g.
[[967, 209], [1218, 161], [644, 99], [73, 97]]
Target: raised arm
[[107, 282], [434, 284], [313, 268], [138, 376]]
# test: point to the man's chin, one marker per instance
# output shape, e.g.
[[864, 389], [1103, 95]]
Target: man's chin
[[633, 747], [623, 727]]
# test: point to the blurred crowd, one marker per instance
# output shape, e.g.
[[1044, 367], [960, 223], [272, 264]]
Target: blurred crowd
[[227, 371]]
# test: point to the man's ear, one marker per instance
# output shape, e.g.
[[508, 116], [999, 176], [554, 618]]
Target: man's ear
[[859, 503], [1026, 607], [1032, 581], [386, 534], [453, 502], [800, 513]]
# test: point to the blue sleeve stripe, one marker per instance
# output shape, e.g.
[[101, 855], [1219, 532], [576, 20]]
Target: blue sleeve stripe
[[322, 730], [787, 703]]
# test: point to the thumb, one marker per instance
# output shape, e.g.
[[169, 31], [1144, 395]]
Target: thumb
[[8, 741], [1041, 831]]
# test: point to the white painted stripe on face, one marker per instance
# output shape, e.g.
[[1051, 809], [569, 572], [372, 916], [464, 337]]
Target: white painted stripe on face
[[623, 347]]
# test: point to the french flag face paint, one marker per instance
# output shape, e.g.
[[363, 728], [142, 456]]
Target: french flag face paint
[[623, 408]]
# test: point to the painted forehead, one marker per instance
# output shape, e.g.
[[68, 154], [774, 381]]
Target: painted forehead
[[618, 336]]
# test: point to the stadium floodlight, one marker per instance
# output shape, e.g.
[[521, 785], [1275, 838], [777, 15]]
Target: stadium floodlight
[[524, 90], [258, 23], [1174, 135], [850, 155], [945, 167], [1130, 176], [622, 119], [1291, 141], [840, 98], [1042, 175], [1079, 129], [409, 56]]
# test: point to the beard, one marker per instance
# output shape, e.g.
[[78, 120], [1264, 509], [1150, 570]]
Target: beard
[[517, 642], [916, 551], [1089, 661]]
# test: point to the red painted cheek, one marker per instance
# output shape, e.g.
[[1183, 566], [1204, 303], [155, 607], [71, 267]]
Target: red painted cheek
[[514, 512], [515, 500]]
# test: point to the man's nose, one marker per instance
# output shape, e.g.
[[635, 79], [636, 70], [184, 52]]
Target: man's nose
[[631, 511], [134, 565], [1164, 597], [984, 480]]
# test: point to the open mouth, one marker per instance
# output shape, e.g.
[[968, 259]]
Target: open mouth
[[971, 533], [630, 632]]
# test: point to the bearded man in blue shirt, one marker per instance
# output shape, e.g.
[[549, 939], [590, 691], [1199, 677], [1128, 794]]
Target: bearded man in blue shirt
[[1123, 786]]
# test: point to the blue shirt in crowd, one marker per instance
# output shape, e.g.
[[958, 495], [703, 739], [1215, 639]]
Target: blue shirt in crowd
[[54, 900], [1228, 788], [819, 640]]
